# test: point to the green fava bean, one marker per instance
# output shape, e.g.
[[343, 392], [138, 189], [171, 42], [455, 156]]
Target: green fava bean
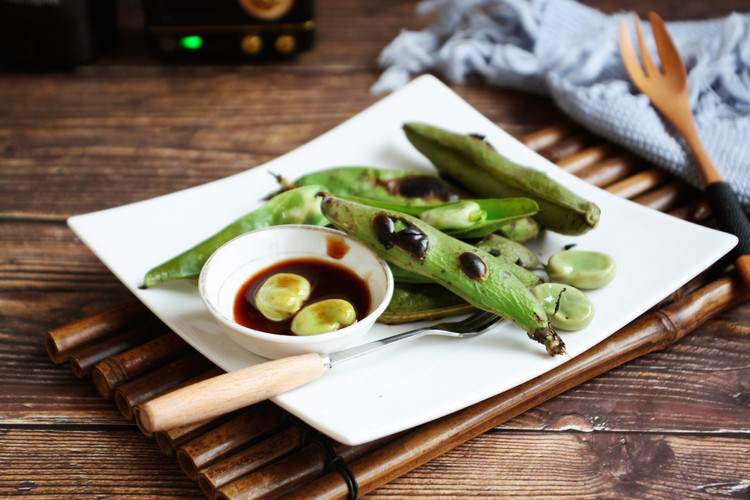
[[456, 216], [583, 269], [575, 310], [323, 317], [282, 295]]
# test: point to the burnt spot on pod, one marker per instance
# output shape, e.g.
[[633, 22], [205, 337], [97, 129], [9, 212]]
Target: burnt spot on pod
[[425, 187], [384, 229], [494, 252], [483, 139], [472, 265], [411, 238]]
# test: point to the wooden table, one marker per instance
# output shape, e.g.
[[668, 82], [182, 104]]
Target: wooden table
[[125, 128]]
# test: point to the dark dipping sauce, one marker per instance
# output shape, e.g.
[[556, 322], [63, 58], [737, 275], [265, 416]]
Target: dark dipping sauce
[[327, 281]]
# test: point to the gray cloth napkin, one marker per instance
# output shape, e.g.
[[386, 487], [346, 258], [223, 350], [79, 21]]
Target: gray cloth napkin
[[570, 52]]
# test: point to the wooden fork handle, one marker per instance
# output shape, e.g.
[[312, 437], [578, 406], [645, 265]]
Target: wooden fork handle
[[731, 218], [228, 392]]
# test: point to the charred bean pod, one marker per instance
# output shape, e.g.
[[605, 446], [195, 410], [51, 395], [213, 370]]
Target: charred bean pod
[[472, 274], [414, 302], [525, 276], [513, 251], [473, 163], [409, 187], [411, 192], [297, 206], [520, 230], [494, 213]]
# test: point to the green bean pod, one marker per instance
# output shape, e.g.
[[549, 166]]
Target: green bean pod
[[297, 206], [409, 191], [520, 230], [415, 302], [480, 168], [497, 213], [406, 187], [526, 277], [471, 273], [509, 249]]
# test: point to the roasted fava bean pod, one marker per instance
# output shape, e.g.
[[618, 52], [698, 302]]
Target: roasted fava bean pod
[[397, 186], [412, 192], [520, 230], [480, 168], [473, 274], [297, 206], [491, 214], [509, 249], [525, 276], [424, 301]]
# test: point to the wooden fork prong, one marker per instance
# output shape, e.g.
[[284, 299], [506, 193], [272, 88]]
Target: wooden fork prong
[[629, 57], [671, 61], [649, 66]]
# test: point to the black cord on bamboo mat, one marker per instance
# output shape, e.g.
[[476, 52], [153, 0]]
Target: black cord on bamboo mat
[[334, 461]]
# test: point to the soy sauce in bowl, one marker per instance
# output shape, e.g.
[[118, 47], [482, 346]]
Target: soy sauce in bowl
[[328, 281]]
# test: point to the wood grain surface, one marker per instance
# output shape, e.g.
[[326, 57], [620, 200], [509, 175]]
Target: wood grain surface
[[673, 424]]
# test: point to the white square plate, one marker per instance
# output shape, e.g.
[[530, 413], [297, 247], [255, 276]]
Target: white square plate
[[414, 383]]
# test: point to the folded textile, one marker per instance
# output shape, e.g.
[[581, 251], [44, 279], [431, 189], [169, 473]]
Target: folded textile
[[570, 52]]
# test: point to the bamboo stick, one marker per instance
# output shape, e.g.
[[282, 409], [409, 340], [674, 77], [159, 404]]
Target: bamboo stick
[[638, 183], [82, 362], [62, 342], [154, 390], [666, 197], [566, 147], [546, 137], [610, 170], [695, 211], [586, 158], [651, 332], [228, 438], [114, 371], [275, 478], [248, 460], [299, 468], [159, 381], [169, 441]]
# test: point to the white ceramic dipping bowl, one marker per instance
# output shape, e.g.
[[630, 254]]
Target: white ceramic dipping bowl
[[232, 265]]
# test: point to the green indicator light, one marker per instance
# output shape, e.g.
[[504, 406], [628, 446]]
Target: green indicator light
[[192, 42]]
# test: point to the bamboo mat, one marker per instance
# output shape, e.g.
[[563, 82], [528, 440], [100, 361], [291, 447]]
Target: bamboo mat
[[262, 451]]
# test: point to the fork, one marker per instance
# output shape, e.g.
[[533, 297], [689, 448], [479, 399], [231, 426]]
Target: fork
[[233, 390], [668, 91]]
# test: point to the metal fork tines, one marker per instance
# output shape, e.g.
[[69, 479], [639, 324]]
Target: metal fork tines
[[471, 326]]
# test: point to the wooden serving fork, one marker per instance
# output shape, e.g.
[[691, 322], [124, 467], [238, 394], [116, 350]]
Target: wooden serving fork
[[668, 91]]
